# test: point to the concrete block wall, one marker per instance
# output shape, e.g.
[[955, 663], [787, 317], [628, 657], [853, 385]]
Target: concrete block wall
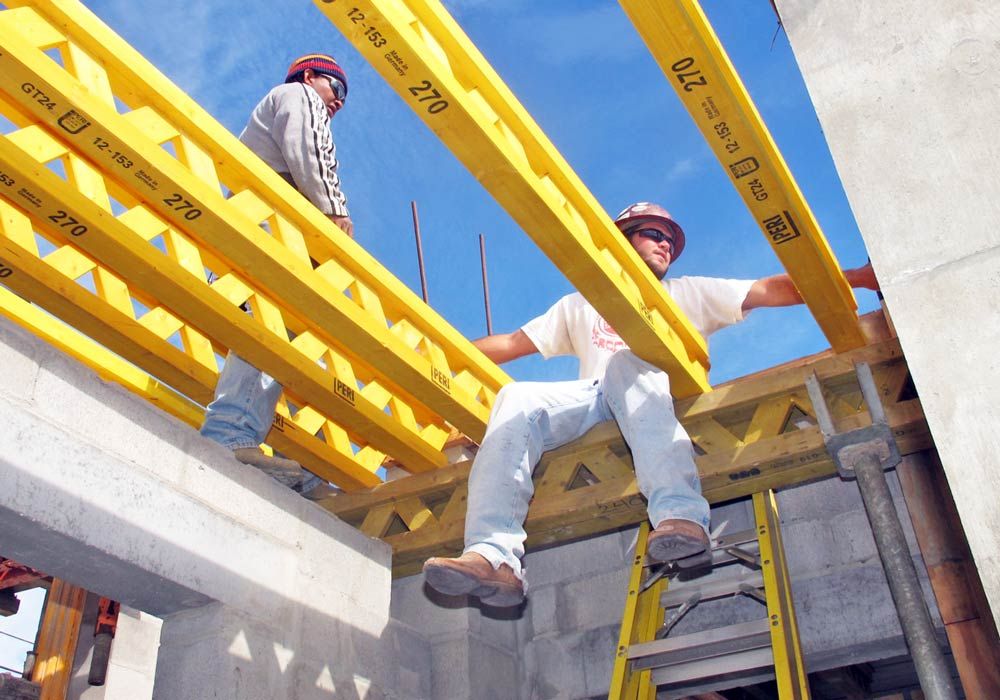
[[560, 645], [262, 593]]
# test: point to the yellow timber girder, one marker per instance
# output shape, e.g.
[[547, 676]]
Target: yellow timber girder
[[112, 210], [685, 46], [426, 57], [754, 433]]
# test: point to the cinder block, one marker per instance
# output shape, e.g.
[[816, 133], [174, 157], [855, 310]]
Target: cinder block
[[597, 649], [450, 663], [411, 660], [137, 642], [493, 673], [818, 500], [543, 607], [593, 601], [738, 515], [554, 668], [413, 603], [589, 556]]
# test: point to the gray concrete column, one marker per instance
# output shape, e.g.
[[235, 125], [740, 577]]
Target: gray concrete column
[[907, 92]]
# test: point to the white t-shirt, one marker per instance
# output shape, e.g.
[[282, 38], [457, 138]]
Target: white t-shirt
[[573, 327]]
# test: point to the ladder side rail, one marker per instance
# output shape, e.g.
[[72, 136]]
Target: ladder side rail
[[789, 667]]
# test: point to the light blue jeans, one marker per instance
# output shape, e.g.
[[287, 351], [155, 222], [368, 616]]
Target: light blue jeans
[[529, 418], [242, 411]]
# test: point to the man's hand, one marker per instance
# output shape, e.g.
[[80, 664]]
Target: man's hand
[[863, 277], [344, 222], [778, 290]]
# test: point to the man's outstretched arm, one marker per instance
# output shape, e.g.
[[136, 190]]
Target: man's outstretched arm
[[778, 290], [504, 347]]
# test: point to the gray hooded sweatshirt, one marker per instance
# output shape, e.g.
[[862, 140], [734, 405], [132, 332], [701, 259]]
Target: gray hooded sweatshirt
[[290, 131]]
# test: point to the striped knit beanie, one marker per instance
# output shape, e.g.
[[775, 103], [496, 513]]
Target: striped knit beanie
[[320, 63]]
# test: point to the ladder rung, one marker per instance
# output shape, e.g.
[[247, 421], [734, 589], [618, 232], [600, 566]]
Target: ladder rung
[[697, 646], [680, 591]]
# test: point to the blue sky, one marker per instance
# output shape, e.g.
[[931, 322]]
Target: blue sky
[[582, 71]]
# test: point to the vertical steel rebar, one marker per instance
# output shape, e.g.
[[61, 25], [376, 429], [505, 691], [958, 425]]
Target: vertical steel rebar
[[486, 284], [420, 250], [914, 617]]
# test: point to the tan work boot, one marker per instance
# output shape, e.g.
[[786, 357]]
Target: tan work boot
[[284, 471], [680, 541], [471, 574]]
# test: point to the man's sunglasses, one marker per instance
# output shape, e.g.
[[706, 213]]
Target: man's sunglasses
[[654, 235], [337, 86]]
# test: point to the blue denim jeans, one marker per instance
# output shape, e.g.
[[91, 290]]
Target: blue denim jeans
[[242, 411], [529, 418]]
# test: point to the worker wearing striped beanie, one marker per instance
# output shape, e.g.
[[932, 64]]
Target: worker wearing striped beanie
[[290, 131], [317, 63]]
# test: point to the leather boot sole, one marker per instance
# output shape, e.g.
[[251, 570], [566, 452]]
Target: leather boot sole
[[685, 551], [451, 581]]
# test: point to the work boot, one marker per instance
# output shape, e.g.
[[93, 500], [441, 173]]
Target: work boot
[[680, 541], [313, 488], [471, 574], [284, 471]]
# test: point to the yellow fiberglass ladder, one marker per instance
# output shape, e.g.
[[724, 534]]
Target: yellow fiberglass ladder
[[650, 663]]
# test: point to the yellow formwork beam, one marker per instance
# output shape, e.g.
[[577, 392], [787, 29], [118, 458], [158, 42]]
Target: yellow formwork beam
[[122, 243], [423, 54], [399, 347], [685, 46], [107, 365]]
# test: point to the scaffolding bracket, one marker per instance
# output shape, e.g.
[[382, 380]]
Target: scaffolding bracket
[[847, 449]]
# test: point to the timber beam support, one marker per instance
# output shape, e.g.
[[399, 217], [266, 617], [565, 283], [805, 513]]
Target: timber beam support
[[749, 435]]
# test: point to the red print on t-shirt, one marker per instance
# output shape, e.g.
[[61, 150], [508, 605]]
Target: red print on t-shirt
[[604, 337]]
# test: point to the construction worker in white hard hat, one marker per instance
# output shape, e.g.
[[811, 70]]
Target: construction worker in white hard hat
[[531, 417]]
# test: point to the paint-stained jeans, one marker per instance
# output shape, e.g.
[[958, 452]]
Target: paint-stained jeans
[[529, 418], [242, 411]]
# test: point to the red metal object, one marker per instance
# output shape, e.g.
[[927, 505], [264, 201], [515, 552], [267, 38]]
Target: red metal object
[[107, 616], [14, 574], [104, 632]]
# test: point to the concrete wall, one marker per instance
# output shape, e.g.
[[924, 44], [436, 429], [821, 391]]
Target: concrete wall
[[262, 593], [908, 93], [560, 645]]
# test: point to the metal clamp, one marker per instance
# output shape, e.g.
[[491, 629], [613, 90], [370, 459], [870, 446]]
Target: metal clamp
[[847, 448]]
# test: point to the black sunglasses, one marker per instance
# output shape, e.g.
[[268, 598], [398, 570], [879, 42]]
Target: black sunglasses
[[654, 235], [338, 87]]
